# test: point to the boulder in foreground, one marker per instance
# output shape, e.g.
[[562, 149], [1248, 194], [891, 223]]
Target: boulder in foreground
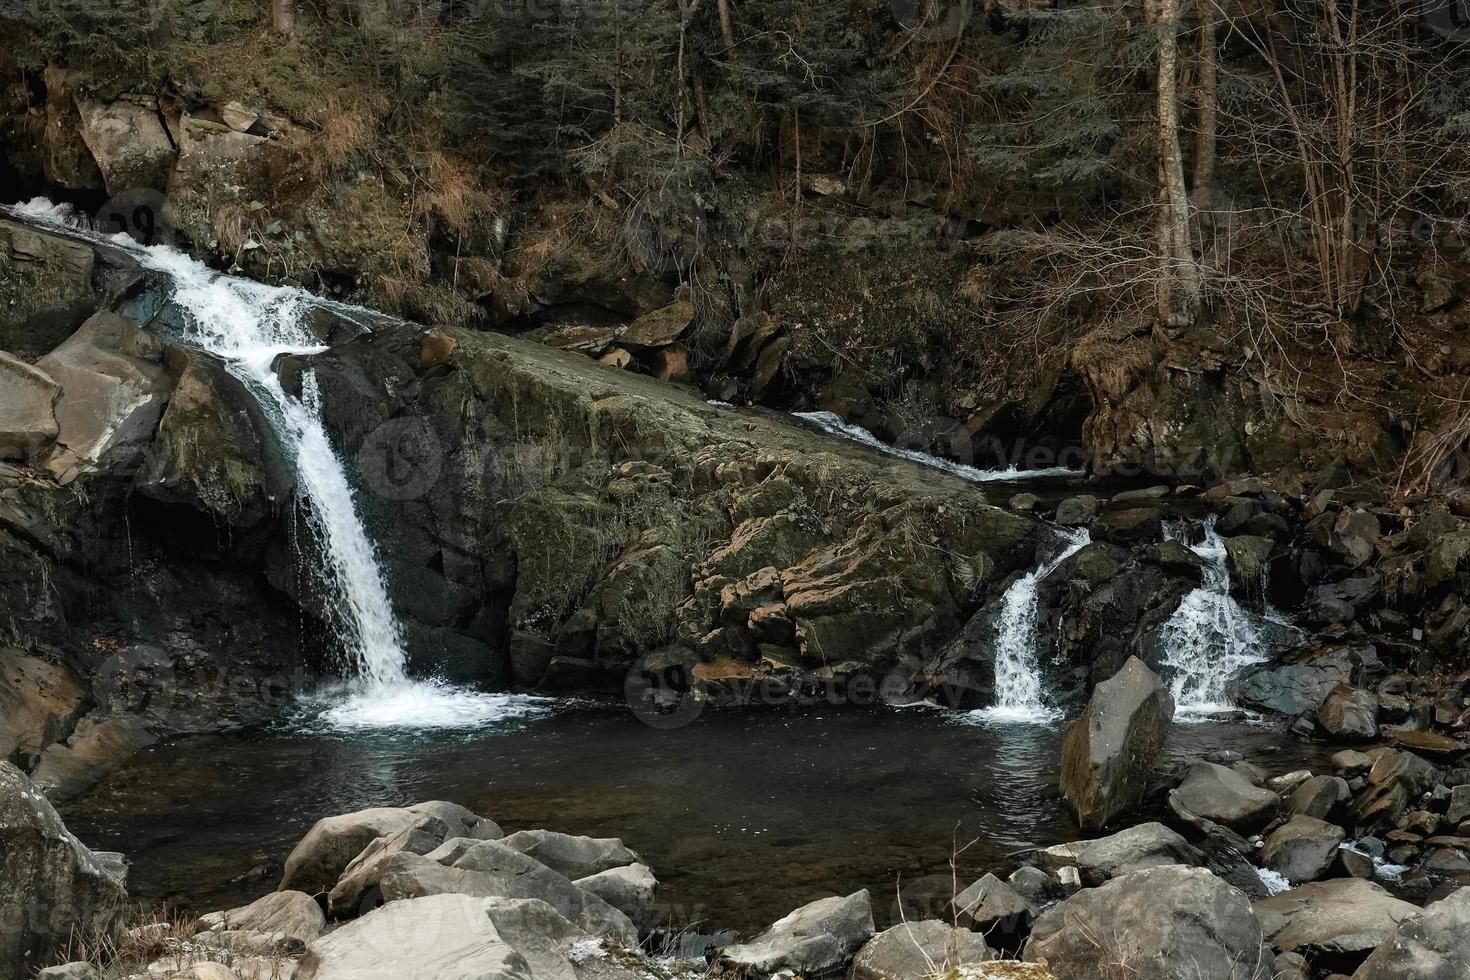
[[1158, 924], [817, 938], [1108, 754]]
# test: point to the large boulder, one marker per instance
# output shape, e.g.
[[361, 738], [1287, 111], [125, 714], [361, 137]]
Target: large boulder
[[575, 857], [46, 288], [450, 937], [1395, 780], [316, 863], [114, 387], [1301, 849], [1226, 797], [918, 949], [293, 914], [1303, 684], [1432, 946], [632, 890], [993, 908], [128, 140], [1349, 712], [1147, 845], [460, 820], [1109, 753], [97, 746], [489, 869], [357, 889], [27, 408], [52, 888], [39, 704], [817, 938], [1157, 924], [1335, 918], [1322, 797]]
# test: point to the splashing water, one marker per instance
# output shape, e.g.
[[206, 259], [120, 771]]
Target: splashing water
[[1210, 637], [832, 423], [1020, 697], [248, 325]]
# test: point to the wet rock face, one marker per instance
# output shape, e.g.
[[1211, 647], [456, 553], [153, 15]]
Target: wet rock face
[[50, 883], [566, 519]]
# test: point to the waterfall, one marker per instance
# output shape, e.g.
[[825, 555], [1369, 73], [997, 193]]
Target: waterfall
[[1019, 693], [248, 325], [1210, 637]]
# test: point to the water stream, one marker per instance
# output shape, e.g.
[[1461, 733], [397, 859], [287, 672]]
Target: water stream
[[1210, 637]]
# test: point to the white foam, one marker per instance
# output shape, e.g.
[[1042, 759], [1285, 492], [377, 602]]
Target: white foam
[[1020, 696], [1274, 881], [1209, 638], [830, 422], [417, 706], [46, 211]]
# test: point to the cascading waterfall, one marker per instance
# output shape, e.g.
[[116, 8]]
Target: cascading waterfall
[[248, 325], [1210, 637], [1019, 693]]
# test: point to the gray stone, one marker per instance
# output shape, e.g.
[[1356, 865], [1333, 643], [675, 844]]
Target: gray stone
[[1109, 752], [1157, 924], [1338, 916], [291, 913], [1147, 845], [50, 883], [1432, 946], [39, 704], [27, 408], [128, 141], [575, 857], [1301, 849], [113, 391], [440, 937], [918, 949], [1459, 805], [1077, 510], [317, 862], [1350, 763], [461, 821], [1323, 797], [70, 971], [817, 938], [1034, 885], [492, 870], [1294, 688], [1226, 797], [97, 746], [356, 890], [631, 889], [1349, 712], [991, 907]]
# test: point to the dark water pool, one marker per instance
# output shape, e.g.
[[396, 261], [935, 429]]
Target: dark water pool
[[743, 816]]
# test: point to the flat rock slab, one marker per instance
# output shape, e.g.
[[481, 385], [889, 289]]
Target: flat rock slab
[[1343, 915]]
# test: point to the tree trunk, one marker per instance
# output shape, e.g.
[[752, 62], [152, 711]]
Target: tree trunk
[[1180, 272], [1204, 137], [283, 17], [727, 24]]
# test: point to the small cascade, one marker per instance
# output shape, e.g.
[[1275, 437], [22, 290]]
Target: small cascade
[[248, 325], [832, 423], [1210, 637], [1019, 693]]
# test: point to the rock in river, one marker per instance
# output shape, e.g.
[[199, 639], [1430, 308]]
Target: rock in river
[[1431, 946], [1109, 753], [918, 949], [1226, 797]]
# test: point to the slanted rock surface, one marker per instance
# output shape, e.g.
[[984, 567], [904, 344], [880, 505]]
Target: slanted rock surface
[[817, 938]]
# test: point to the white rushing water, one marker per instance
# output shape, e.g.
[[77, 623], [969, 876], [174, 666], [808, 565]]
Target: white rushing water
[[830, 422], [1020, 695], [1210, 637], [248, 325]]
